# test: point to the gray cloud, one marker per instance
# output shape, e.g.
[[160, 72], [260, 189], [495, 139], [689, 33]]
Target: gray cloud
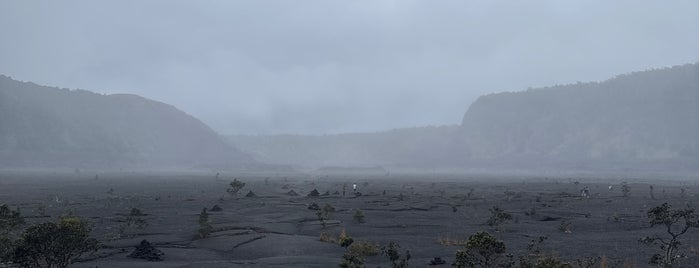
[[336, 66]]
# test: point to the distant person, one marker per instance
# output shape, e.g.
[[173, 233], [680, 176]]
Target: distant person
[[354, 187], [344, 188], [585, 192]]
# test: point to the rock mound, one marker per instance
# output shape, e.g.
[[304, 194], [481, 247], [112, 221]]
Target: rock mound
[[147, 252], [314, 193]]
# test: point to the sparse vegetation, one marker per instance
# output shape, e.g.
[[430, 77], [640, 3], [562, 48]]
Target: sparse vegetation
[[565, 226], [498, 217], [325, 237], [547, 262], [447, 241], [392, 251], [534, 251], [10, 220], [364, 248], [350, 260], [41, 210], [676, 222], [358, 216], [205, 227], [587, 262], [535, 258], [235, 186], [426, 210], [54, 245], [132, 220], [324, 214], [345, 240], [481, 250], [356, 252]]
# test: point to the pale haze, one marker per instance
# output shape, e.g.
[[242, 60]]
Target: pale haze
[[316, 67]]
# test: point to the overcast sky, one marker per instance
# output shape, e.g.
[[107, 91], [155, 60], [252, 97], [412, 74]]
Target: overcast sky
[[315, 67]]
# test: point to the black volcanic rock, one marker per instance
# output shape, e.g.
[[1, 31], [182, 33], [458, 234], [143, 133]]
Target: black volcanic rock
[[146, 251], [251, 194], [314, 193]]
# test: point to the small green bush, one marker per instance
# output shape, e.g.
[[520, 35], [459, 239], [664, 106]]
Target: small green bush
[[10, 220], [358, 216], [235, 187], [481, 250], [345, 240], [205, 227], [498, 217], [54, 245], [392, 252]]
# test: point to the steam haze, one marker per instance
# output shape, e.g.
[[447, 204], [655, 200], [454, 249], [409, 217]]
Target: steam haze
[[314, 67]]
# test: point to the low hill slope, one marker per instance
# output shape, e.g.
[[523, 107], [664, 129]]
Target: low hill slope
[[649, 116], [50, 127]]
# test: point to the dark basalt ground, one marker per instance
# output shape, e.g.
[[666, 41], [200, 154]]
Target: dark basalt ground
[[420, 212]]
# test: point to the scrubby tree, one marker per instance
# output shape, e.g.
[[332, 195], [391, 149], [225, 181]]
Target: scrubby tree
[[54, 245], [356, 254], [498, 216], [358, 216], [133, 220], [535, 257], [235, 187], [344, 239], [482, 250], [392, 251], [10, 220], [351, 258], [677, 222], [324, 214], [205, 227]]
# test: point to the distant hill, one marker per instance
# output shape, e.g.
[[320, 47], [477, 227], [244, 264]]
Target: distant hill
[[633, 120], [640, 121], [413, 147], [50, 127]]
